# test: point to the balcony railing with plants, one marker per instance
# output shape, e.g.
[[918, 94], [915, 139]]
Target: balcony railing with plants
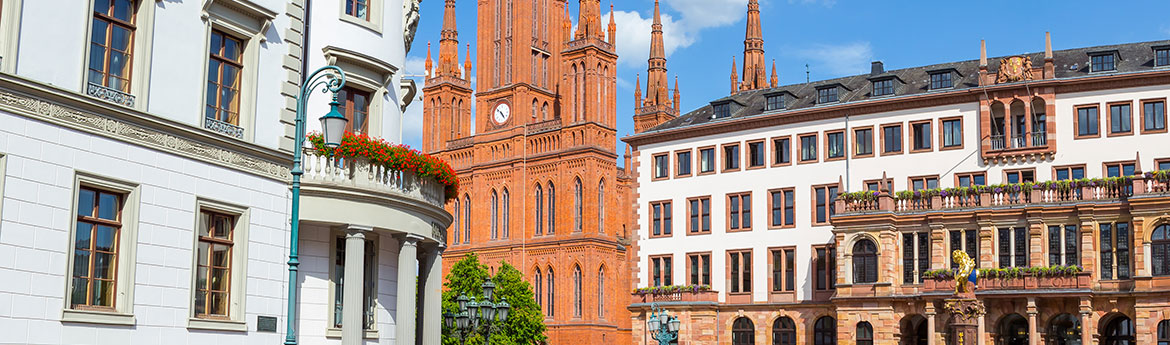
[[1112, 188], [675, 293], [374, 164], [1013, 278]]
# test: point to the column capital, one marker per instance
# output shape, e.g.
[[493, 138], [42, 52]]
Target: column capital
[[410, 240], [355, 229]]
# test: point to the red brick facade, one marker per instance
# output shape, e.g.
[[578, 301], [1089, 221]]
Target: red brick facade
[[557, 143]]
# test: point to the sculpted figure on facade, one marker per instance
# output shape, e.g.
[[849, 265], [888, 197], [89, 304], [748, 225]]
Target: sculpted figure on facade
[[410, 19], [965, 274]]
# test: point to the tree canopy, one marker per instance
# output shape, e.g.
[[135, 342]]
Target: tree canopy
[[525, 324]]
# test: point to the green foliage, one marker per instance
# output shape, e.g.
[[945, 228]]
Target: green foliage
[[525, 324], [1010, 272]]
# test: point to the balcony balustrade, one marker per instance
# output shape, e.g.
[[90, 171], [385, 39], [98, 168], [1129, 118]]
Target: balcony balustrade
[[1082, 280], [357, 173], [676, 296], [1005, 195]]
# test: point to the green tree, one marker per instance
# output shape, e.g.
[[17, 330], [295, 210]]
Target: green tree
[[525, 325]]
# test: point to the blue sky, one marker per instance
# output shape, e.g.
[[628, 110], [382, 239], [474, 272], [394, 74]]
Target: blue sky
[[834, 37]]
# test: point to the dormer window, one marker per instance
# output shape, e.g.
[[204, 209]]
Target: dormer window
[[1102, 62], [774, 102], [722, 110], [1162, 56], [827, 95], [941, 80], [883, 87]]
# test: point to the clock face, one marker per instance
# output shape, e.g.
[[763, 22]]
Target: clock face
[[501, 113]]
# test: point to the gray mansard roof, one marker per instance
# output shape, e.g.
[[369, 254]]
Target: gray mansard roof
[[1070, 63]]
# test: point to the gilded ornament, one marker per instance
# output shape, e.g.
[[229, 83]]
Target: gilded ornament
[[1014, 68]]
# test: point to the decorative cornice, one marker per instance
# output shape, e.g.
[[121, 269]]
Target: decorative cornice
[[186, 142]]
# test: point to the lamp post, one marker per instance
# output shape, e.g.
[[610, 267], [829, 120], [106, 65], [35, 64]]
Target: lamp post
[[332, 128], [662, 327], [475, 316]]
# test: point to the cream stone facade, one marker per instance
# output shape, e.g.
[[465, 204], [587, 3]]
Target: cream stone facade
[[145, 156]]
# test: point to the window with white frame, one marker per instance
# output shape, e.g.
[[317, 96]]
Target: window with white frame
[[118, 50], [234, 34], [104, 238]]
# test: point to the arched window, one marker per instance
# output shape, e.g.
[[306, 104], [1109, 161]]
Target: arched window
[[577, 205], [539, 210], [1164, 332], [1064, 329], [743, 332], [507, 214], [455, 129], [552, 208], [458, 228], [495, 214], [601, 293], [577, 291], [601, 207], [864, 333], [544, 111], [1160, 245], [550, 284], [576, 98], [539, 282], [466, 218], [1119, 331], [783, 331], [865, 262], [825, 331]]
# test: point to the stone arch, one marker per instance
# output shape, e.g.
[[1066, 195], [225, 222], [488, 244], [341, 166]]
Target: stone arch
[[913, 330], [778, 327], [1011, 329], [743, 331], [1063, 329], [1116, 329]]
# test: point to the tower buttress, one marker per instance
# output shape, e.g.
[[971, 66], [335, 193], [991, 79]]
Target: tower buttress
[[753, 50], [612, 26], [775, 77], [734, 77], [430, 63], [677, 96], [658, 106], [447, 95]]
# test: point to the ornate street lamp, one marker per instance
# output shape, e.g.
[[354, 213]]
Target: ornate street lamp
[[333, 128], [478, 317], [662, 327]]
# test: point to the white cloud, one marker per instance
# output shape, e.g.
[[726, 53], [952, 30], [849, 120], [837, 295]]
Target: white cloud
[[633, 39], [702, 14], [837, 59]]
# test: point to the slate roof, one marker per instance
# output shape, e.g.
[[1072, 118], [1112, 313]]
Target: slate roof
[[1069, 63]]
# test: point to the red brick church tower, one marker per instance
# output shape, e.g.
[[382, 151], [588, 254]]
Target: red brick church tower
[[539, 185]]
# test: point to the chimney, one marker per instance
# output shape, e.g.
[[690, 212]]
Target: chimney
[[876, 68]]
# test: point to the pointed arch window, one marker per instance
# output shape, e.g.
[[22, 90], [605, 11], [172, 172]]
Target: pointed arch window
[[601, 207], [495, 214], [507, 215], [539, 211], [552, 208], [601, 293], [577, 205], [539, 282], [550, 284], [458, 229], [577, 291], [466, 218]]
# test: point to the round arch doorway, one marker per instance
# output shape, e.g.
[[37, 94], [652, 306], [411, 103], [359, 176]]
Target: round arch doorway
[[914, 330], [1012, 330], [1064, 329]]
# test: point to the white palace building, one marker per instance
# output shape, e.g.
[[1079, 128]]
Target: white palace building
[[145, 168]]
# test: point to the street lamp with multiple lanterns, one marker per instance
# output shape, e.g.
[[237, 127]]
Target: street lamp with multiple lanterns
[[475, 317], [662, 327]]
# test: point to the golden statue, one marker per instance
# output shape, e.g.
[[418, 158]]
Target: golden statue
[[965, 275]]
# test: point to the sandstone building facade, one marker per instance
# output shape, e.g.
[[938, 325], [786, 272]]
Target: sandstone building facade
[[1048, 168], [539, 182]]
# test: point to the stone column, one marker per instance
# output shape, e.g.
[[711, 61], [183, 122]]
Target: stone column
[[432, 296], [930, 334], [1033, 333], [353, 306], [1087, 329], [407, 275], [982, 338]]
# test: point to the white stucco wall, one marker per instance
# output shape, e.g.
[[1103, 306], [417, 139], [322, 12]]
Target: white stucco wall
[[1091, 152]]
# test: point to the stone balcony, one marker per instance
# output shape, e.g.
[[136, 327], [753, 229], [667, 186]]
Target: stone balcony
[[676, 296], [1080, 281], [1006, 196], [342, 191]]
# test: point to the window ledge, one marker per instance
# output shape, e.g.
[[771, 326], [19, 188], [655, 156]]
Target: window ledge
[[97, 317], [336, 333], [217, 325], [376, 28]]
